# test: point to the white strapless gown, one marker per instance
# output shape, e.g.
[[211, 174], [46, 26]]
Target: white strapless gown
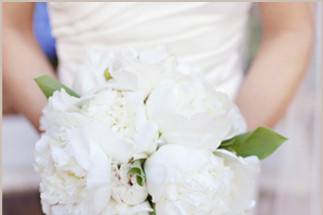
[[210, 36]]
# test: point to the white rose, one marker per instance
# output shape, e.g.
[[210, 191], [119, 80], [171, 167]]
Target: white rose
[[190, 113], [125, 188], [75, 172], [185, 180]]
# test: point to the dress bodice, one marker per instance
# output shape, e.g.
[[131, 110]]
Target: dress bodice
[[210, 36]]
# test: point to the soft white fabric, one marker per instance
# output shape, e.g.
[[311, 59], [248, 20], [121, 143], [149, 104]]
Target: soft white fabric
[[210, 36]]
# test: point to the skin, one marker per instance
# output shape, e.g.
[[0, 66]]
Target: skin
[[23, 60], [280, 64], [264, 96]]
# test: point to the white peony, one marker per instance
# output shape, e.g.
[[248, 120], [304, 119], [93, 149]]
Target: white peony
[[75, 171], [84, 139], [243, 187], [190, 113], [126, 70], [123, 115], [125, 188], [90, 76], [115, 208], [185, 180], [130, 103], [62, 111]]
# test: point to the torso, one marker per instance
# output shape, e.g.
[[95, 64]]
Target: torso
[[207, 35]]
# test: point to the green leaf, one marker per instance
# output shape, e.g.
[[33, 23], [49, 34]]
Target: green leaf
[[136, 167], [261, 142], [140, 180], [152, 205], [154, 210], [137, 171], [107, 74], [49, 85]]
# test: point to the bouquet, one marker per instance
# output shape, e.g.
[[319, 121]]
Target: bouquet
[[140, 133]]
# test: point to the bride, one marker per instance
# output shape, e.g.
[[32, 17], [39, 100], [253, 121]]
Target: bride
[[211, 36]]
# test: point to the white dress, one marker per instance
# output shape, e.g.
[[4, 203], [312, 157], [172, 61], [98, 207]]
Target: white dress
[[210, 36]]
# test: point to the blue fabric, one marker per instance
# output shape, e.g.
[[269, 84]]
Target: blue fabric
[[42, 30]]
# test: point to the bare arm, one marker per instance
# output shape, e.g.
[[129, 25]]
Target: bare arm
[[280, 64], [23, 60]]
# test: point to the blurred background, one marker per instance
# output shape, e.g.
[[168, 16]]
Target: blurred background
[[291, 179]]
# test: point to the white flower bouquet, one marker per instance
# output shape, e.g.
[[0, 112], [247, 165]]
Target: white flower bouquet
[[140, 133]]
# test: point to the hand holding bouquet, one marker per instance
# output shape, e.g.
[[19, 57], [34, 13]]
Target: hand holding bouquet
[[141, 133]]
